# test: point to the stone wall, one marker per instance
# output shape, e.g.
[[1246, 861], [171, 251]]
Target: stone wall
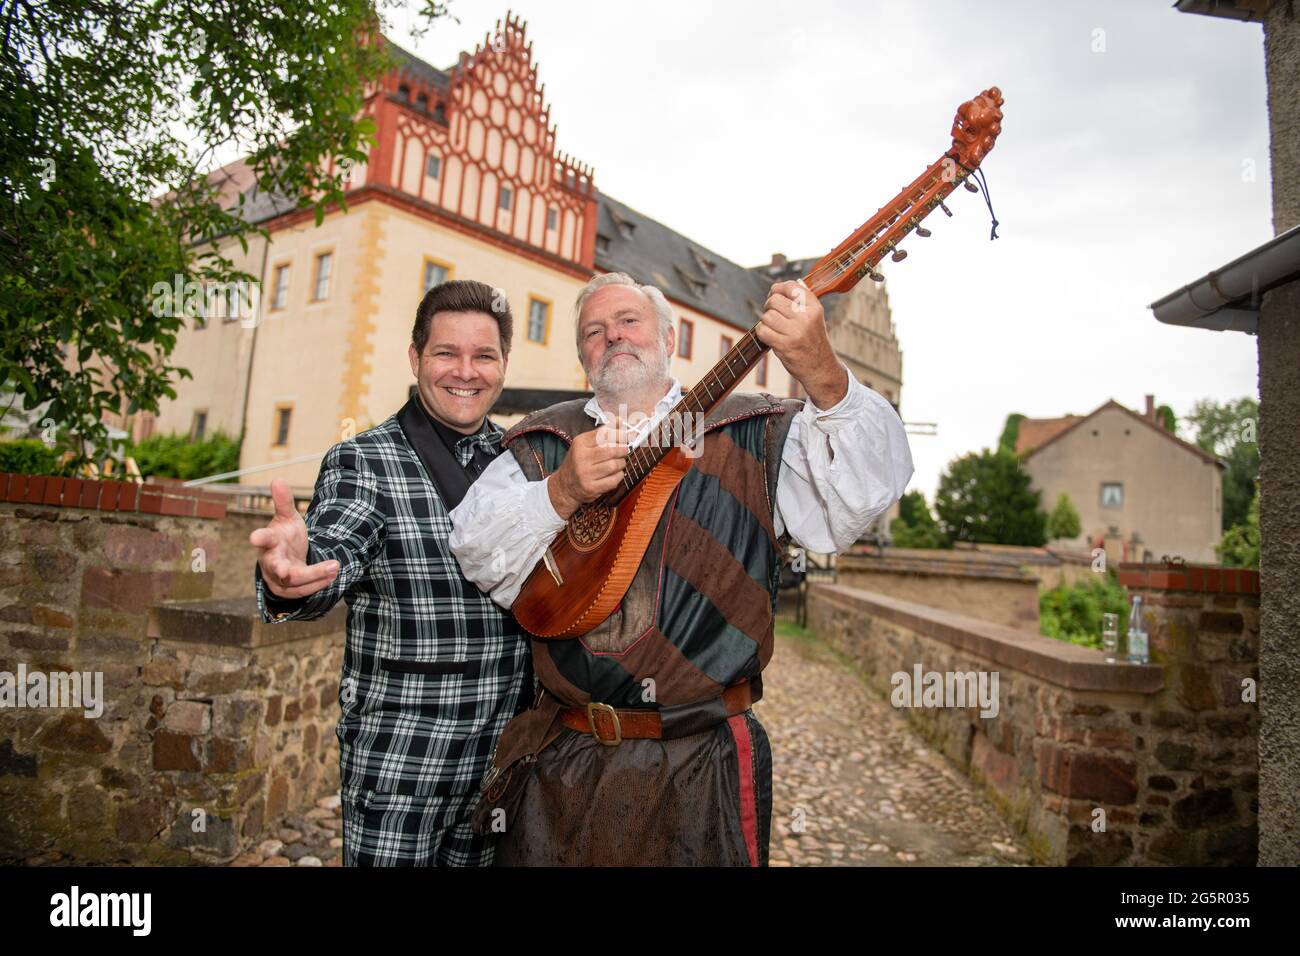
[[989, 587], [203, 708], [1097, 763]]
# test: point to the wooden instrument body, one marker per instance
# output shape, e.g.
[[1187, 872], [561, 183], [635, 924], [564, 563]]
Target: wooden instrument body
[[591, 563]]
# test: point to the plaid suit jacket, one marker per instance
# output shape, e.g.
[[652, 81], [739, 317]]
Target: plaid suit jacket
[[433, 669]]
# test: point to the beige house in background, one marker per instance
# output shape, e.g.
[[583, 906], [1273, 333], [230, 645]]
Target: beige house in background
[[464, 181], [1141, 492]]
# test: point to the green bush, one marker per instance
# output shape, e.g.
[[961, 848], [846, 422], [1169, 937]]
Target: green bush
[[175, 456], [1063, 522], [1240, 545], [915, 527], [1073, 612], [29, 456]]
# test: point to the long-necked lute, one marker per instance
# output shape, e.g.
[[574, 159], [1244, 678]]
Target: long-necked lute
[[587, 569]]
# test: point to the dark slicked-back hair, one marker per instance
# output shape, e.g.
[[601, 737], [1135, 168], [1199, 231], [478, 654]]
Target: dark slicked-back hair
[[463, 295]]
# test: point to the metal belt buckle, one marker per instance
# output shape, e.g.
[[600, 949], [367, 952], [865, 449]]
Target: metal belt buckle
[[592, 707]]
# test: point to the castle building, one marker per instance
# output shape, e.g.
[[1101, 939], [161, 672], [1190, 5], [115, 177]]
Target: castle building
[[465, 180]]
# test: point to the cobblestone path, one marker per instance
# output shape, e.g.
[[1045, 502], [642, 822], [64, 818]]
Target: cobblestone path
[[854, 784]]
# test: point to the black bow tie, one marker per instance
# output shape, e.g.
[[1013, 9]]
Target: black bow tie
[[489, 440]]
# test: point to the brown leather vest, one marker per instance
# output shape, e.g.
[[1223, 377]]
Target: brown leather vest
[[699, 612]]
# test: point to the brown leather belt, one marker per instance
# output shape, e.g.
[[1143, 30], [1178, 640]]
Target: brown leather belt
[[612, 725]]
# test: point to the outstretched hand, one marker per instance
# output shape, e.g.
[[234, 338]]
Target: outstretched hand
[[283, 545]]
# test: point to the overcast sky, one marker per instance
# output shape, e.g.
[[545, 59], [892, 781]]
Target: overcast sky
[[1120, 174]]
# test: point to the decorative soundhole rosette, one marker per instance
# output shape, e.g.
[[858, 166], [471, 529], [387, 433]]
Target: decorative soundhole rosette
[[590, 525]]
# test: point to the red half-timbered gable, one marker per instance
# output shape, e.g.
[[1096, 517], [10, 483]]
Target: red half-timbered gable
[[477, 142]]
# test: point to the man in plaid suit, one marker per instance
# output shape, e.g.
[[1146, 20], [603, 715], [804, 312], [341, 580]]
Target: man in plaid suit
[[433, 669]]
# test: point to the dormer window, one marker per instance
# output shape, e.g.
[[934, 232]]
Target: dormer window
[[404, 93], [422, 101], [706, 265], [625, 226], [602, 243]]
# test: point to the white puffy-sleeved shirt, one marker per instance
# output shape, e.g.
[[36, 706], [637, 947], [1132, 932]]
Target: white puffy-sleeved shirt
[[840, 468]]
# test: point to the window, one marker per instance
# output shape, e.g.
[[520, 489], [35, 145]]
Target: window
[[404, 93], [282, 416], [726, 346], [233, 297], [761, 372], [422, 101], [684, 337], [433, 167], [1112, 494], [280, 290], [539, 319], [552, 218], [435, 273], [602, 243], [199, 427], [321, 289], [507, 197]]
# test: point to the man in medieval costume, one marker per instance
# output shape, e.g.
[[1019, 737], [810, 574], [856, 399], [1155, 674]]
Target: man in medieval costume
[[433, 670], [641, 747]]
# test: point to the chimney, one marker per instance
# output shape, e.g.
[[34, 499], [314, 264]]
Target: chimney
[[1151, 407], [778, 261]]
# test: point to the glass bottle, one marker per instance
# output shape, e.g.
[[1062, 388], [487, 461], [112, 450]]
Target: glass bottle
[[1110, 637], [1137, 635]]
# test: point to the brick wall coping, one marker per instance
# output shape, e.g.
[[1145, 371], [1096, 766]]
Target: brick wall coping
[[153, 498], [1061, 663], [919, 562], [1206, 578], [234, 622]]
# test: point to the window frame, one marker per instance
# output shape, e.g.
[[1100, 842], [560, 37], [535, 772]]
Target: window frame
[[280, 408], [546, 329], [685, 338], [424, 268], [329, 277], [280, 268], [1101, 494]]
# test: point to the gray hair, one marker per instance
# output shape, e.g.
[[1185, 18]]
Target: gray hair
[[656, 298]]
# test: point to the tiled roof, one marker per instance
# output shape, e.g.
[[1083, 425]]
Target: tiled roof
[[410, 63], [650, 252], [1111, 403], [1038, 431]]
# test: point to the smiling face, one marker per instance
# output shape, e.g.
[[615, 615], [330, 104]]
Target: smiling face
[[461, 372], [619, 344]]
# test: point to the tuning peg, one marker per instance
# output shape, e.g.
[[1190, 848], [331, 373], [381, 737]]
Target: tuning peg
[[946, 211], [899, 255], [971, 187], [875, 276], [923, 232]]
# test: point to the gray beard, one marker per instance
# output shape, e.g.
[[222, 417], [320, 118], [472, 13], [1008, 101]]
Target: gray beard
[[612, 384]]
